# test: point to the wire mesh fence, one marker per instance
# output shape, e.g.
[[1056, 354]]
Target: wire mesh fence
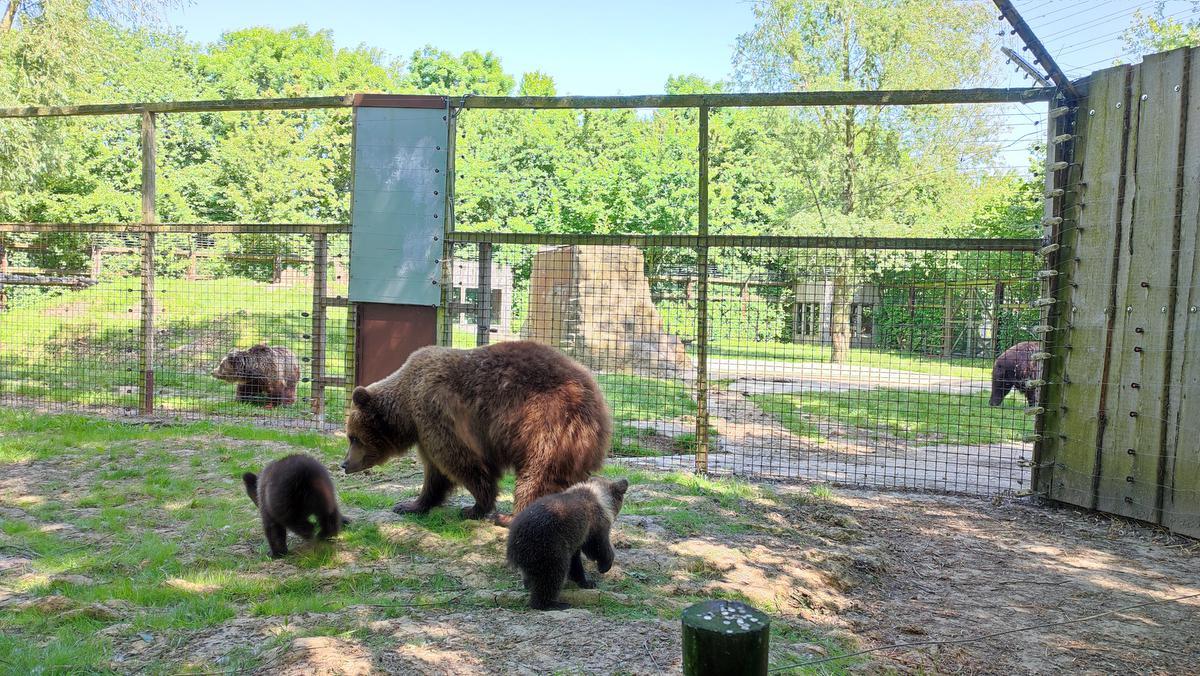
[[864, 366], [78, 332], [856, 360]]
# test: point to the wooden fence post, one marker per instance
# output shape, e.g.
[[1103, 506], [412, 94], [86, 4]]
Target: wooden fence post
[[947, 322], [702, 304], [149, 217], [721, 638], [912, 318], [320, 289], [483, 297], [3, 271], [997, 323]]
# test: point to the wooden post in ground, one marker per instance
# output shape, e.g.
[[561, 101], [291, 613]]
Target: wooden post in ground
[[996, 319], [3, 271], [483, 296], [320, 290], [702, 304], [149, 217], [725, 638], [947, 322]]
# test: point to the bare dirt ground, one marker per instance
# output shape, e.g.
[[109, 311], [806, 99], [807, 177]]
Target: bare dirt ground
[[838, 571]]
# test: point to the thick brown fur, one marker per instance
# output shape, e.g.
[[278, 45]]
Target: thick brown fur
[[547, 539], [475, 413], [1011, 371], [264, 375], [288, 492]]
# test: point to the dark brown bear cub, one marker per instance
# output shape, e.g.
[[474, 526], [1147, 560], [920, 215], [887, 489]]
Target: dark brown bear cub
[[264, 375], [474, 414], [545, 540], [290, 491]]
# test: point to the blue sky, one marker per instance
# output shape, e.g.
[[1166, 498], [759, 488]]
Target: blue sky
[[617, 46], [614, 47]]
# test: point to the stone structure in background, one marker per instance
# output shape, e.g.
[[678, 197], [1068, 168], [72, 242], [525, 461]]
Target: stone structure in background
[[593, 302]]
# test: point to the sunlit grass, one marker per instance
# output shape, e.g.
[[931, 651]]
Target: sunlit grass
[[914, 415]]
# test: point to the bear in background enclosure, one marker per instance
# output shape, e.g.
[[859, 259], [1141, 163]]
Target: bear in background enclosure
[[264, 375], [1012, 369]]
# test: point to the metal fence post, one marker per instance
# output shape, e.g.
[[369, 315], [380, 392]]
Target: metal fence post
[[149, 217], [320, 291], [702, 304]]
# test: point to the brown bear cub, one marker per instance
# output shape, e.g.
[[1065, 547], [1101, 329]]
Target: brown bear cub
[[288, 493], [474, 414], [545, 540], [264, 375]]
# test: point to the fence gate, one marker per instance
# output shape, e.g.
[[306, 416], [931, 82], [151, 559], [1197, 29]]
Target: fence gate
[[1122, 419]]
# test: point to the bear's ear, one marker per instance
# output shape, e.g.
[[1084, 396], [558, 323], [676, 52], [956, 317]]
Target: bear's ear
[[361, 397], [619, 487]]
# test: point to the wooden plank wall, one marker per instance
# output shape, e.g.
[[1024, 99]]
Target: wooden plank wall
[[1123, 421], [1181, 505]]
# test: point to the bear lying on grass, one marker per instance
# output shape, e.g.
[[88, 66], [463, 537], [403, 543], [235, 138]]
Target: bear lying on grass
[[264, 375], [287, 493], [475, 413], [547, 539], [1012, 369]]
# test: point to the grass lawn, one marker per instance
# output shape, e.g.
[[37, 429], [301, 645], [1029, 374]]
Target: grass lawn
[[84, 346], [913, 415], [977, 369], [133, 548]]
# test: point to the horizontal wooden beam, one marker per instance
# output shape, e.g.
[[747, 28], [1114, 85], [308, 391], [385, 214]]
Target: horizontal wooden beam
[[216, 106], [181, 228], [336, 381], [822, 98], [751, 241], [40, 280]]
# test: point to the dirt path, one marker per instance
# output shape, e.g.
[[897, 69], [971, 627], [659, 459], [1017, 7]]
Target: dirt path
[[754, 444], [760, 376]]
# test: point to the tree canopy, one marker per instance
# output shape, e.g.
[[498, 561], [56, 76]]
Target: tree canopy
[[917, 171]]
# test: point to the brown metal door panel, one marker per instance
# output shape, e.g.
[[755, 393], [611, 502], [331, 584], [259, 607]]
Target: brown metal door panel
[[387, 334]]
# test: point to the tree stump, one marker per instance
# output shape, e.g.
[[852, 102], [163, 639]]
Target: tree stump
[[725, 638]]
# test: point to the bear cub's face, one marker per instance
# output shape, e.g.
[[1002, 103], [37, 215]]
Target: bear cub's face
[[371, 442], [232, 368]]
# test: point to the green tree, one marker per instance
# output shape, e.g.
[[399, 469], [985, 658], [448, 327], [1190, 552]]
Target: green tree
[[1157, 32], [434, 71], [869, 165]]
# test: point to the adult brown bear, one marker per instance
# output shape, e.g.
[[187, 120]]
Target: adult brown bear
[[1013, 369], [474, 414], [266, 375]]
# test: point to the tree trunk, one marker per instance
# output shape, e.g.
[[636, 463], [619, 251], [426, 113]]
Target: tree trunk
[[839, 320], [843, 293], [10, 13]]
